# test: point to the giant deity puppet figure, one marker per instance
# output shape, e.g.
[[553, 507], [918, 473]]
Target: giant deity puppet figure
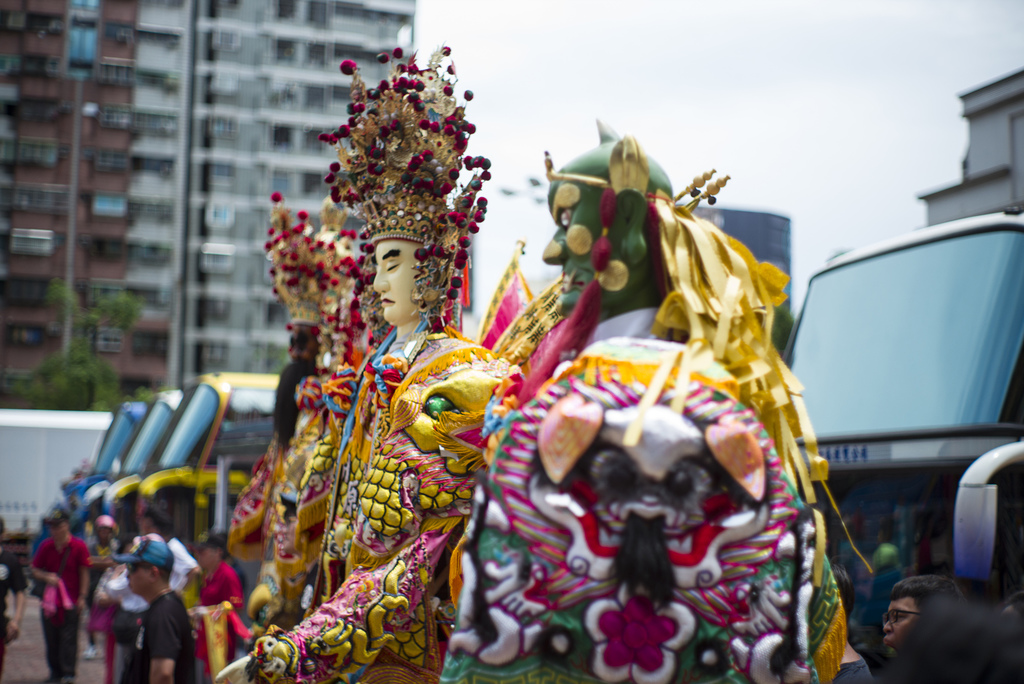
[[641, 518], [312, 278], [411, 442]]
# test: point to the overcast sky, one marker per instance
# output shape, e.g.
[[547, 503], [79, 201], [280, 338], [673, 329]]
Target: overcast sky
[[835, 114]]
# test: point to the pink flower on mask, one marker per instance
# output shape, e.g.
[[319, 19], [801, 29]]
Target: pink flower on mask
[[636, 641]]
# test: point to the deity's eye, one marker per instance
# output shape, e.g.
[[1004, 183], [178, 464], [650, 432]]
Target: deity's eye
[[565, 218], [436, 405]]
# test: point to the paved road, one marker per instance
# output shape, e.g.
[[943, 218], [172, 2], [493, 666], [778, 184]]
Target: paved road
[[25, 662]]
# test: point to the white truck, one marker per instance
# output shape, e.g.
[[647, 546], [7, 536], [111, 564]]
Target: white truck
[[39, 449]]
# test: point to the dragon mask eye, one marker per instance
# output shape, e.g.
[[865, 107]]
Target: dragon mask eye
[[436, 405]]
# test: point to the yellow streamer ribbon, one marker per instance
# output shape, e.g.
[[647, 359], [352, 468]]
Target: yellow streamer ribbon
[[651, 396]]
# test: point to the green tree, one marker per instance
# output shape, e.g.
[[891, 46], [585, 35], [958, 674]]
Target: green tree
[[79, 379], [782, 327]]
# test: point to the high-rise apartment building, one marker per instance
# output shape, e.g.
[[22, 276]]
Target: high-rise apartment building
[[67, 77], [142, 139], [266, 85]]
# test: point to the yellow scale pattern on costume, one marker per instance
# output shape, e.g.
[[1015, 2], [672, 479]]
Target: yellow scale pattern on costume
[[412, 644], [380, 494]]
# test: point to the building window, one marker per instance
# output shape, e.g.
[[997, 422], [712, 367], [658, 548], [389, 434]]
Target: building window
[[8, 151], [25, 335], [220, 216], [228, 41], [109, 340], [10, 64], [284, 95], [221, 173], [166, 38], [85, 4], [312, 142], [316, 54], [223, 83], [149, 343], [41, 199], [38, 110], [157, 79], [344, 10], [315, 97], [276, 314], [41, 66], [317, 14], [116, 116], [215, 308], [284, 51], [155, 124], [111, 160], [215, 352], [26, 292], [158, 212], [223, 127], [151, 255], [117, 74], [122, 33], [109, 205], [281, 138], [281, 182], [32, 242], [217, 258], [106, 248], [153, 298], [312, 183], [340, 95], [153, 165], [98, 292], [44, 23], [285, 9], [37, 152]]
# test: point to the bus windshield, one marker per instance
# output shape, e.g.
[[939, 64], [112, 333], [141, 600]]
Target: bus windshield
[[250, 413], [115, 439], [148, 436], [192, 423], [925, 337]]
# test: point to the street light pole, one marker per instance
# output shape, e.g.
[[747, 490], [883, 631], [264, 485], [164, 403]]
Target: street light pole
[[70, 245]]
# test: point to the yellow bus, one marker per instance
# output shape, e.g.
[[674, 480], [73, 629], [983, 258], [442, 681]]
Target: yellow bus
[[222, 426]]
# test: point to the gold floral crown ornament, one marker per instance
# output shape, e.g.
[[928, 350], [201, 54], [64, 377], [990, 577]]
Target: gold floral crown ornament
[[340, 325], [402, 169], [311, 271]]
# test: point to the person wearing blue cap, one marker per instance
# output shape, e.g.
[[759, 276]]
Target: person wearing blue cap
[[164, 648]]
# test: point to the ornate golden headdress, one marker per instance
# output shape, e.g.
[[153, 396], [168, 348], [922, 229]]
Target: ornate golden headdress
[[313, 271], [400, 162]]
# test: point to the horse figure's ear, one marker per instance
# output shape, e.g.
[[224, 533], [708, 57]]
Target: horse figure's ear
[[607, 133]]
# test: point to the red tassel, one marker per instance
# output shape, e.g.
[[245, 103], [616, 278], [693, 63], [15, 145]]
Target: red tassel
[[572, 336], [608, 206], [654, 247], [601, 253]]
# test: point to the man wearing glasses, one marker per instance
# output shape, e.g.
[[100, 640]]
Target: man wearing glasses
[[164, 648], [906, 600]]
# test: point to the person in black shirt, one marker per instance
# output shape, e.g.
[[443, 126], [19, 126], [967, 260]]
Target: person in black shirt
[[12, 579], [302, 349], [164, 648]]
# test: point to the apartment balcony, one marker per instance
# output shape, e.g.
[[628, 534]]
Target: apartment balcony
[[163, 96], [160, 56], [152, 146], [145, 183]]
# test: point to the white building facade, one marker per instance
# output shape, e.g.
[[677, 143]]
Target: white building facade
[[265, 84], [993, 169]]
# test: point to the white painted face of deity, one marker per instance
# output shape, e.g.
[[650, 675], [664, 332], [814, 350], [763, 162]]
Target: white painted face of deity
[[396, 276]]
